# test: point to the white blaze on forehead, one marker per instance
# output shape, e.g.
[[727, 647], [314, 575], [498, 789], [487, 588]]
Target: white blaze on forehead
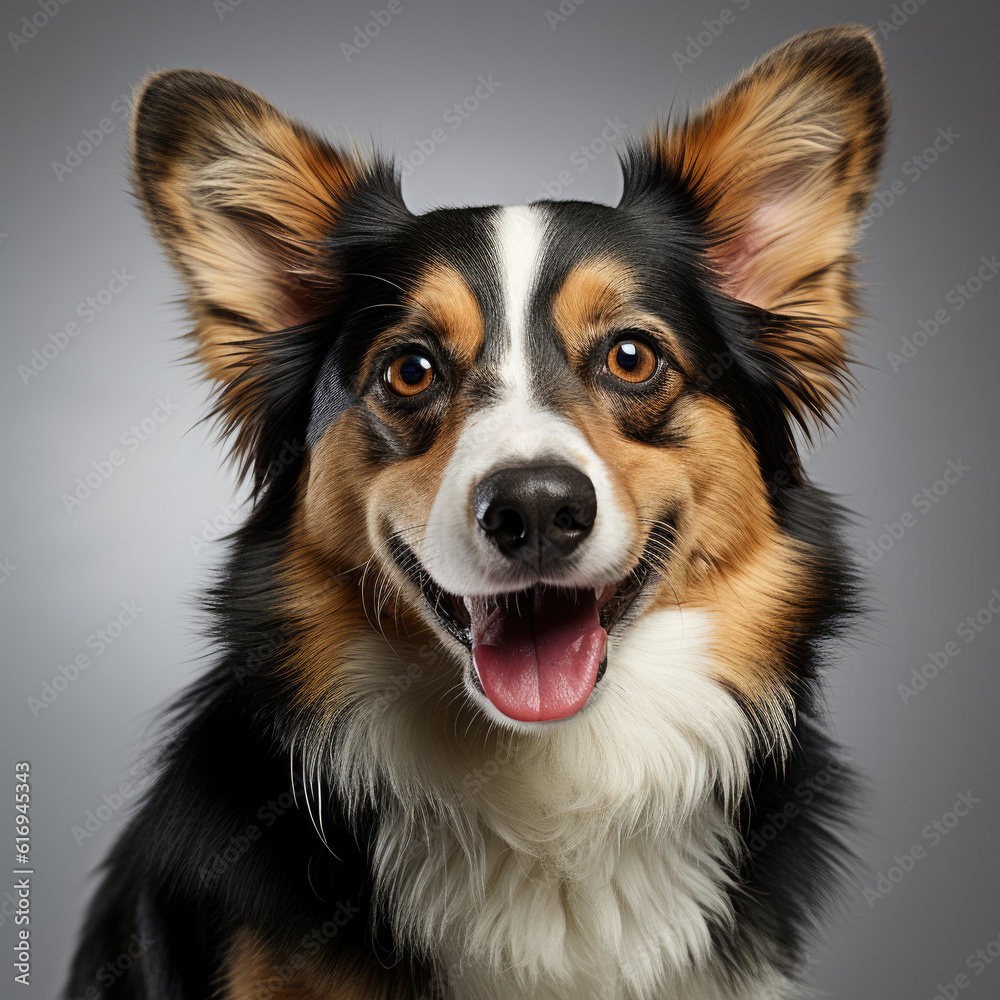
[[517, 430], [520, 234]]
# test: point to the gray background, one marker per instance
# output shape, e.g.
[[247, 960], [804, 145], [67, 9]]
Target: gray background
[[137, 538]]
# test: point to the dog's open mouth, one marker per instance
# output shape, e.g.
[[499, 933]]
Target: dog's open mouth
[[537, 653]]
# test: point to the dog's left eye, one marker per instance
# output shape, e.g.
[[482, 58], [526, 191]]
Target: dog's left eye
[[631, 360], [409, 374]]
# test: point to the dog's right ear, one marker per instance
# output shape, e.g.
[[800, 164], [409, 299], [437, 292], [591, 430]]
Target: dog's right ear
[[779, 167], [246, 203]]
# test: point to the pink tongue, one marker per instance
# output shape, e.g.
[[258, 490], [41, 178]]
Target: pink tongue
[[537, 658]]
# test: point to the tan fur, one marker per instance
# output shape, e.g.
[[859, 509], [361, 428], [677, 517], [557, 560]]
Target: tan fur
[[338, 582], [254, 970], [729, 557], [445, 302], [737, 563], [336, 588], [595, 298]]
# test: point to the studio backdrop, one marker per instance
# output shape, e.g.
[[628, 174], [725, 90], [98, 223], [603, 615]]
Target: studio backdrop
[[116, 497]]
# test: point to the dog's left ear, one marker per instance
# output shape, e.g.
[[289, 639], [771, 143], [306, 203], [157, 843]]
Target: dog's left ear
[[249, 206], [780, 166], [242, 199]]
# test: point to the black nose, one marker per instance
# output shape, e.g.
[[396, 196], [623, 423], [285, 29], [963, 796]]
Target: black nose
[[538, 514]]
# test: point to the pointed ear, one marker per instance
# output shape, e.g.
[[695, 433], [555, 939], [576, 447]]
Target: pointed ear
[[780, 166], [241, 198], [246, 203]]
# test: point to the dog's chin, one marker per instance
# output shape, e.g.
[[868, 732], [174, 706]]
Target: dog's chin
[[532, 656]]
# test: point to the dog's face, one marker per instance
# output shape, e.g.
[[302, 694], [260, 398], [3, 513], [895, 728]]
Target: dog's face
[[528, 429]]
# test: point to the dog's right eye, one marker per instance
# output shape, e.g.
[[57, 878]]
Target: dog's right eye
[[409, 374], [632, 360]]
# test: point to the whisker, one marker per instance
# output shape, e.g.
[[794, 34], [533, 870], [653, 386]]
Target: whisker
[[380, 305], [316, 826], [376, 277]]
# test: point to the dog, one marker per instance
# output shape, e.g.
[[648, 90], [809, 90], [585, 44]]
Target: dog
[[518, 691]]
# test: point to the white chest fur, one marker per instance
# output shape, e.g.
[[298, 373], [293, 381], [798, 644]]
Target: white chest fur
[[587, 859]]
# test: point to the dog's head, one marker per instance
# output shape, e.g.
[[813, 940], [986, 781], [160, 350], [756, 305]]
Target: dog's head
[[516, 434]]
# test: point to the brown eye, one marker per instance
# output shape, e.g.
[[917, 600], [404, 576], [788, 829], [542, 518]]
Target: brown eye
[[631, 360], [409, 374]]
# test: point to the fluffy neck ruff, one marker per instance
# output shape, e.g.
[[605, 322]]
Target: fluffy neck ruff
[[590, 859]]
